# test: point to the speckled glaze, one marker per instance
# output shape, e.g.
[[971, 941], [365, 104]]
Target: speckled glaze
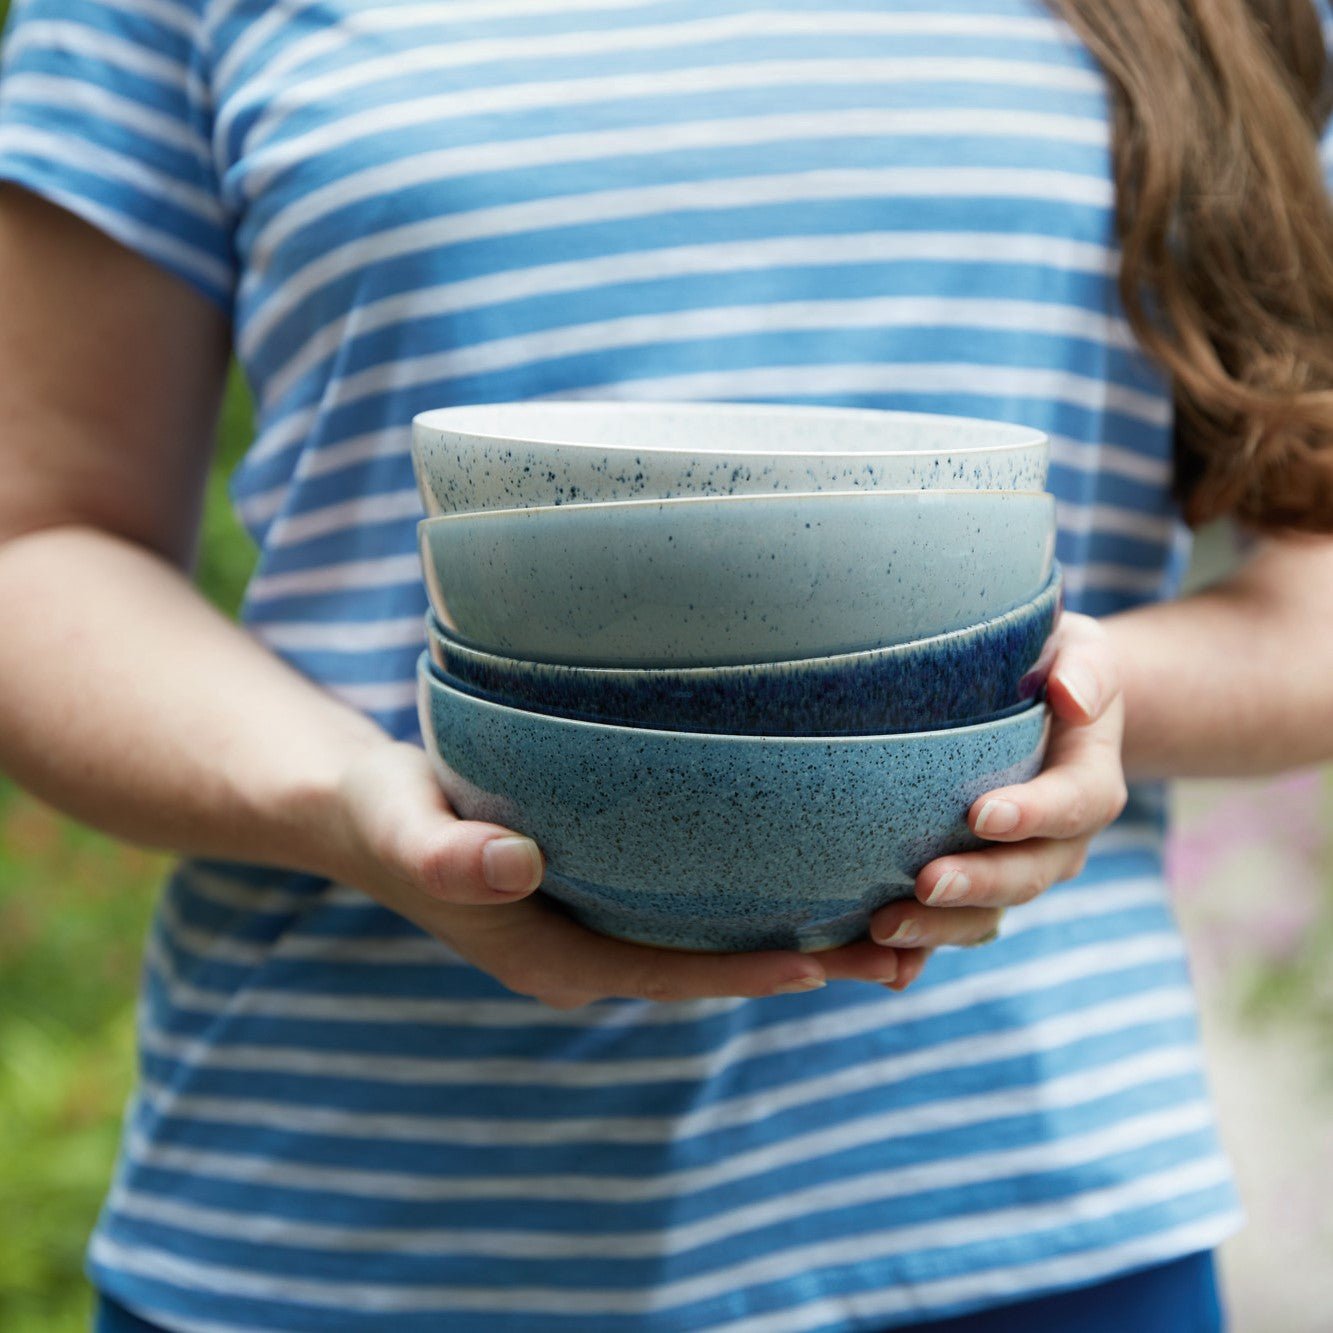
[[511, 455], [947, 680], [734, 579], [721, 843]]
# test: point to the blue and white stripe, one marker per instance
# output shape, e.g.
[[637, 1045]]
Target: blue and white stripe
[[888, 203]]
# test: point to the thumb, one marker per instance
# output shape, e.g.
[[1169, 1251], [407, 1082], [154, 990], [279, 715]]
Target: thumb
[[409, 829], [466, 862], [1084, 682]]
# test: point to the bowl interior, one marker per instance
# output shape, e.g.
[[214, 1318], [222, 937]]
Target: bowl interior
[[731, 428]]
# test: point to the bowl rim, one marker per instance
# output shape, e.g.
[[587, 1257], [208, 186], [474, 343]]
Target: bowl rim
[[1052, 590], [835, 498], [428, 681], [426, 425]]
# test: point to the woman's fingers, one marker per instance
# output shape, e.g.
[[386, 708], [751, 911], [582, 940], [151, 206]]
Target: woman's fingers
[[1081, 787], [862, 961], [1040, 830], [911, 963], [1080, 791], [536, 950], [998, 877], [405, 827], [910, 925], [471, 863], [1046, 823], [1084, 681]]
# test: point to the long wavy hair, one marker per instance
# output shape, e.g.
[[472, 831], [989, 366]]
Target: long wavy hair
[[1226, 233]]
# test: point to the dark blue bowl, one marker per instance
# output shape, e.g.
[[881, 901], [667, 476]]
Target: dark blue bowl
[[948, 680]]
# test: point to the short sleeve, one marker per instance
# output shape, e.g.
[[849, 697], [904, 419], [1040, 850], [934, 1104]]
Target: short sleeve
[[105, 110]]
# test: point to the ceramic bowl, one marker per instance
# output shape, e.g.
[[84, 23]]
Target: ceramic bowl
[[734, 579], [947, 680], [721, 843], [463, 687], [512, 455]]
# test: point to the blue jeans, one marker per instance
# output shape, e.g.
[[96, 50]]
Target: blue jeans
[[1179, 1297]]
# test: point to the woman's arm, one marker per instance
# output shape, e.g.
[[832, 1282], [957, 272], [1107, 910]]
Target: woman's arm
[[127, 701], [124, 698], [1237, 679]]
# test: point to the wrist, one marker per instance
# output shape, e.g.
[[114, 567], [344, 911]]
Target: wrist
[[1228, 681], [302, 814], [1153, 692]]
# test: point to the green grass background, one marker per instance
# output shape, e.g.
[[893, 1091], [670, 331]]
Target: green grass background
[[74, 909]]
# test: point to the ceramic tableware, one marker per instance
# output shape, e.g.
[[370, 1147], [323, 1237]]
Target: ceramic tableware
[[737, 579], [511, 455], [721, 843], [949, 679]]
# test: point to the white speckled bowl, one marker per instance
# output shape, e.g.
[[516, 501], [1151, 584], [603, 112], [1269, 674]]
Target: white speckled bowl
[[721, 843], [734, 579], [512, 455]]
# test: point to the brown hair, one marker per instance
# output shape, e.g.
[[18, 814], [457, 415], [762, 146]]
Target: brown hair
[[1226, 233]]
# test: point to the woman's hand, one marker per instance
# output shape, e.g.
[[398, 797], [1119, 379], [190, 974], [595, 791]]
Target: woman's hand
[[139, 709], [1042, 828], [471, 885]]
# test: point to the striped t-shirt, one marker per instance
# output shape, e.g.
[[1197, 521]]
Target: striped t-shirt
[[338, 1125]]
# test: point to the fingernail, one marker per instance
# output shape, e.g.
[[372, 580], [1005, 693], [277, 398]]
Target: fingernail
[[908, 933], [800, 985], [997, 817], [949, 888], [511, 865], [1081, 686]]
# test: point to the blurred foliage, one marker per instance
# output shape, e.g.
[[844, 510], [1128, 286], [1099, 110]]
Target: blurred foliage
[[1297, 988], [74, 911], [227, 555]]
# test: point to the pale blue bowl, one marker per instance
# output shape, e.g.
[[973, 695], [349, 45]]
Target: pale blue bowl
[[721, 843], [948, 680], [734, 579], [512, 455]]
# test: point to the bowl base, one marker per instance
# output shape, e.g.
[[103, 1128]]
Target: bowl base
[[797, 930]]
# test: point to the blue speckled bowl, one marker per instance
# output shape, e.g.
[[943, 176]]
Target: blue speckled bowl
[[947, 680], [721, 843], [511, 455], [734, 579]]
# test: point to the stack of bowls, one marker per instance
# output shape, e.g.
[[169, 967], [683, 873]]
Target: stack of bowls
[[739, 670]]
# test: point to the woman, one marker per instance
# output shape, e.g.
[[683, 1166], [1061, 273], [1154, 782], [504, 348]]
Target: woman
[[382, 1084]]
